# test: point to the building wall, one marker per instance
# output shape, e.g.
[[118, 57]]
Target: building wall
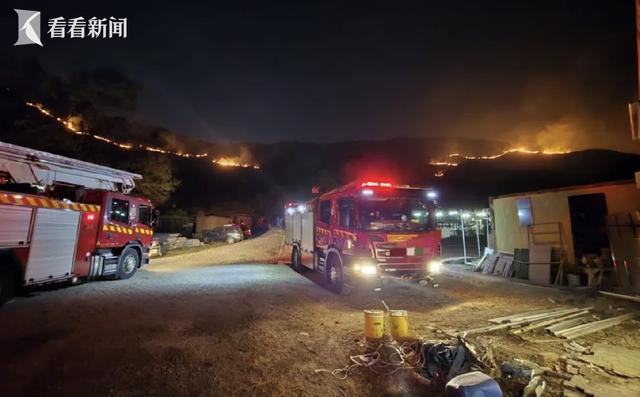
[[553, 206], [208, 222]]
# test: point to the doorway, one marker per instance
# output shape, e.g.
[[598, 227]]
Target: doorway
[[589, 224]]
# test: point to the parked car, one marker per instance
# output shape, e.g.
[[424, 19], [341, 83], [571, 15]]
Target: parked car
[[229, 233]]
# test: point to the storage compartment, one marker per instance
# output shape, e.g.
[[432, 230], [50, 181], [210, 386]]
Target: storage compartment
[[15, 225], [53, 245]]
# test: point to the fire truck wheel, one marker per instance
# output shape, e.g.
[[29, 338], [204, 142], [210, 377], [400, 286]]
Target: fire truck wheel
[[128, 263], [7, 284], [335, 275], [295, 259]]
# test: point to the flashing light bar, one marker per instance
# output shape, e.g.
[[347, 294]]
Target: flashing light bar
[[376, 184]]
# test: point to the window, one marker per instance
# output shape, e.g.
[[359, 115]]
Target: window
[[524, 211], [347, 213], [119, 211], [396, 213], [325, 211], [144, 215]]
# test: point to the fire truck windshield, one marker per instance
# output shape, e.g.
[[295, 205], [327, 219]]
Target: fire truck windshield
[[396, 214]]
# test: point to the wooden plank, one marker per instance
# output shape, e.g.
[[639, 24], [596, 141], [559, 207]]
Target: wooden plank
[[500, 264], [506, 272], [627, 297], [545, 323], [594, 326], [547, 315], [622, 361], [595, 323], [489, 328], [490, 264], [525, 314], [565, 324]]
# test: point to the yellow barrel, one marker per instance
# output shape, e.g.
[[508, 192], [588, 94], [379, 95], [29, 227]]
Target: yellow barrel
[[373, 324], [399, 323]]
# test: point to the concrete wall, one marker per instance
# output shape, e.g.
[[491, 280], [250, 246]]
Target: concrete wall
[[553, 206]]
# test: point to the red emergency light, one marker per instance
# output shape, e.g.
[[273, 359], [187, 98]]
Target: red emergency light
[[375, 184]]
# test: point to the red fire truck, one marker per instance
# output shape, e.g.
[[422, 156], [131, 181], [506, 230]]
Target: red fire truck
[[65, 220], [365, 230]]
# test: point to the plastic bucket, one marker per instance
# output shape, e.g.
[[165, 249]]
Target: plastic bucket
[[399, 323], [373, 324]]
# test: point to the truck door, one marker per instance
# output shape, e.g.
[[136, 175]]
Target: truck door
[[346, 224], [323, 224], [140, 221], [116, 229]]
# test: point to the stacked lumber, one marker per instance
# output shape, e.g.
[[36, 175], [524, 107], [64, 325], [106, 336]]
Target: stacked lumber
[[563, 322]]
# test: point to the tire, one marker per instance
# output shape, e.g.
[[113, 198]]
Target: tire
[[335, 274], [128, 263], [7, 284], [295, 259], [230, 240]]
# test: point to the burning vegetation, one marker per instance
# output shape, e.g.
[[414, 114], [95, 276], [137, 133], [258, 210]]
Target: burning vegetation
[[73, 124], [454, 159]]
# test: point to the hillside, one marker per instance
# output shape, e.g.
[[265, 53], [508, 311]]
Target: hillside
[[287, 170]]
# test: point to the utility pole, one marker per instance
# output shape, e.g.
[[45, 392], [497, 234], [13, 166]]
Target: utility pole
[[478, 237], [464, 241]]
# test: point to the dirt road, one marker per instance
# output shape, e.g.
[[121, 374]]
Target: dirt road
[[184, 328]]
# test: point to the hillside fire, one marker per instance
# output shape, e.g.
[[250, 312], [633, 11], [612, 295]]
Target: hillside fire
[[455, 159], [233, 162], [72, 124]]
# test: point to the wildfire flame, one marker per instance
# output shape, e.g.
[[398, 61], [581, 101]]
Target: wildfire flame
[[508, 151], [460, 156], [233, 162], [73, 125]]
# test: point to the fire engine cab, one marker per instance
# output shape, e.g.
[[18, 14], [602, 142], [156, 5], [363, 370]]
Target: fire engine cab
[[365, 230], [65, 220]]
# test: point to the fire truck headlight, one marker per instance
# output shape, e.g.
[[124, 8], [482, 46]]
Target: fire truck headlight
[[434, 266], [366, 269]]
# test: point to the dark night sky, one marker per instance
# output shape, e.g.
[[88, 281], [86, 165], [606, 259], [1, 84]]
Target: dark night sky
[[553, 72]]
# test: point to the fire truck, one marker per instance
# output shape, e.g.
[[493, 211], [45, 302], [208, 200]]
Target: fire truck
[[365, 230], [65, 220]]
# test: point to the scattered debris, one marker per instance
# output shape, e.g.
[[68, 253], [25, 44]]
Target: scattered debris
[[473, 384], [616, 359], [304, 334], [433, 363], [561, 322], [535, 388]]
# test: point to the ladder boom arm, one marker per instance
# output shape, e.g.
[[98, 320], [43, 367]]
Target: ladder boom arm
[[25, 165]]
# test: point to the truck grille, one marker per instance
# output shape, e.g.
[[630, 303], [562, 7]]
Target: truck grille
[[394, 259]]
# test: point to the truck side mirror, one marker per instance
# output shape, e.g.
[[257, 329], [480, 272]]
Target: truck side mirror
[[155, 214]]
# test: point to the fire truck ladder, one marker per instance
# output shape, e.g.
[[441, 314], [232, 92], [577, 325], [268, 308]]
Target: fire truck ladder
[[24, 165]]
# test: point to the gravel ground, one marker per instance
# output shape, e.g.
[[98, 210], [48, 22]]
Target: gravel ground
[[183, 327]]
